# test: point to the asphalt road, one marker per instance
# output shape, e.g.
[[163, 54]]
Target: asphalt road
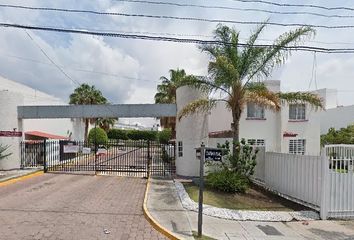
[[60, 206]]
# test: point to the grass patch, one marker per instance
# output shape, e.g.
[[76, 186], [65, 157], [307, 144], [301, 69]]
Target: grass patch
[[255, 198], [195, 235]]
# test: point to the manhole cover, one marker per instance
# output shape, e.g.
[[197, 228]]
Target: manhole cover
[[269, 230]]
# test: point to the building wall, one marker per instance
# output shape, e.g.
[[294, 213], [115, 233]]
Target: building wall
[[9, 121], [191, 130], [62, 127], [337, 118], [308, 130]]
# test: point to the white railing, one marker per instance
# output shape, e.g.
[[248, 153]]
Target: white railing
[[324, 183], [338, 191]]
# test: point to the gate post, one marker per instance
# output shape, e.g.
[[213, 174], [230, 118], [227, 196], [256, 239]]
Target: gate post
[[45, 169], [324, 186], [149, 159]]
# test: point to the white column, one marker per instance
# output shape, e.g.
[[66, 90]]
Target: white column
[[191, 131]]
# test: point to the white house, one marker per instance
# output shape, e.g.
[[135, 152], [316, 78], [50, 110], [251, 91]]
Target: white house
[[295, 129]]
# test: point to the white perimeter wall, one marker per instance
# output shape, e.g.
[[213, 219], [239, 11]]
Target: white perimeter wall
[[8, 113], [34, 97]]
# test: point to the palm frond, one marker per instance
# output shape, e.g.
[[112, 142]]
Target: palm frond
[[276, 54], [197, 106], [302, 97], [263, 97]]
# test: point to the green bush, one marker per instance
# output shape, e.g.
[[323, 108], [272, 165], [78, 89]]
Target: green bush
[[227, 181], [97, 136], [164, 136], [117, 134], [142, 135]]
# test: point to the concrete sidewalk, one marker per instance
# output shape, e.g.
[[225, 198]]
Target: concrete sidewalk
[[165, 207]]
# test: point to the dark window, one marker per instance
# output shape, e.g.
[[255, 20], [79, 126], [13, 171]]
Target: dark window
[[255, 111], [297, 111], [180, 149]]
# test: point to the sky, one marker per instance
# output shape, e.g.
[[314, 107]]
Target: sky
[[128, 71]]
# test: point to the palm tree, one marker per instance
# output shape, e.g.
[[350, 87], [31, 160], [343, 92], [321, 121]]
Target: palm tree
[[166, 93], [106, 123], [233, 70], [87, 95]]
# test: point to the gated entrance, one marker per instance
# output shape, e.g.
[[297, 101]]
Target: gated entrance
[[115, 157]]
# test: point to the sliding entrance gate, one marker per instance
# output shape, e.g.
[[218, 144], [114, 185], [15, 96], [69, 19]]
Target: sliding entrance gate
[[119, 157]]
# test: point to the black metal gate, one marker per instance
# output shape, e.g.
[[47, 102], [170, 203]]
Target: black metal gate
[[116, 157]]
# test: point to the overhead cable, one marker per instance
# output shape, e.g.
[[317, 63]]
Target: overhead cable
[[179, 18], [172, 39], [295, 5], [237, 8]]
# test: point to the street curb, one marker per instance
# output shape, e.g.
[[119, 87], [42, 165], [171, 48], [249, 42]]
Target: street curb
[[152, 221], [20, 178]]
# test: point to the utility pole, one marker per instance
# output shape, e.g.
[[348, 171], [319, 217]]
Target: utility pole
[[201, 189]]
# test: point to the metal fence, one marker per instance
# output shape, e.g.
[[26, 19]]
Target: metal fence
[[115, 157], [338, 184], [324, 183]]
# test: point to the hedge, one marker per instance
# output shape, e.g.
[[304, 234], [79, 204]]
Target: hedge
[[164, 136], [117, 134], [132, 134]]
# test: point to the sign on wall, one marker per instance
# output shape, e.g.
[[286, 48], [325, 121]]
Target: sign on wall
[[71, 149], [86, 150], [10, 134], [211, 154]]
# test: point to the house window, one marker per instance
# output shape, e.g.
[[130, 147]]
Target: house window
[[255, 111], [297, 112], [180, 149], [256, 142], [297, 146]]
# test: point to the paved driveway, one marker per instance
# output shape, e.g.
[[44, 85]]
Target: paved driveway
[[59, 206]]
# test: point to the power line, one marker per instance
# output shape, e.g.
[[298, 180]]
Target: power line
[[179, 18], [237, 8], [172, 39], [295, 5], [56, 65]]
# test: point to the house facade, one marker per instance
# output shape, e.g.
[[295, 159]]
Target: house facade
[[295, 128]]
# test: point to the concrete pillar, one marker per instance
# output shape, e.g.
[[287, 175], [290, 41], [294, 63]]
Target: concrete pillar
[[9, 121], [191, 131]]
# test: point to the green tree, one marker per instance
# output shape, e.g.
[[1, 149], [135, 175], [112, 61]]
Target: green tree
[[166, 93], [341, 136], [2, 151], [234, 69], [87, 95]]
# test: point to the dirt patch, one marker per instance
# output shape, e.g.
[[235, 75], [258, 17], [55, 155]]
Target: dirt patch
[[255, 198]]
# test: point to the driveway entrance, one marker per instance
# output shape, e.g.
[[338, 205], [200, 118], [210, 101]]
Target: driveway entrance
[[53, 206], [133, 158]]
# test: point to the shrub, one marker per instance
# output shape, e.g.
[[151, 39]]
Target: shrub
[[97, 136], [142, 135], [227, 181], [117, 134], [242, 162], [164, 136]]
